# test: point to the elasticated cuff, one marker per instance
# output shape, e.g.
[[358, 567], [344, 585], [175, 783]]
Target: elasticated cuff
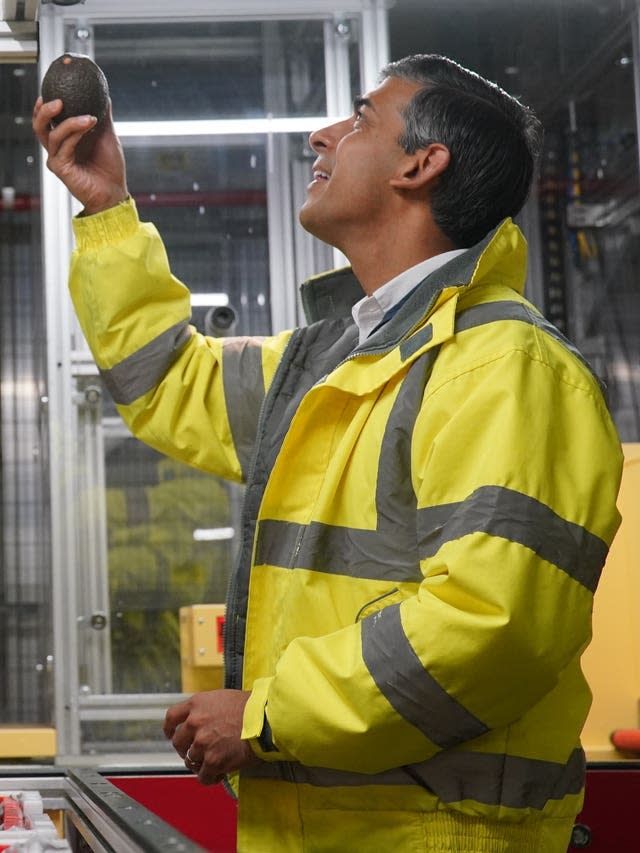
[[107, 228]]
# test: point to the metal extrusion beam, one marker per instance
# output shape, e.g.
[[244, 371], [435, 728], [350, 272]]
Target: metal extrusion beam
[[18, 41], [18, 10], [108, 820]]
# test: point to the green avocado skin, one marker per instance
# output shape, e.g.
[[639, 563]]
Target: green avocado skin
[[79, 83]]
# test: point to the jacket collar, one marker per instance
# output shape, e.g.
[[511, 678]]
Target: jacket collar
[[501, 255]]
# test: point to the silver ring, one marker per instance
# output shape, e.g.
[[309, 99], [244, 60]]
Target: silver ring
[[191, 764]]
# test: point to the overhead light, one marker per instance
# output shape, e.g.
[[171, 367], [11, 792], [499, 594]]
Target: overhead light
[[223, 127], [207, 300], [624, 60], [212, 534], [512, 70]]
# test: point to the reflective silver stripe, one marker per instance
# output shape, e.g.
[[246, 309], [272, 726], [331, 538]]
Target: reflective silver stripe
[[413, 344], [396, 501], [505, 780], [454, 776], [489, 312], [243, 382], [391, 551], [335, 550], [409, 688], [144, 369], [519, 518]]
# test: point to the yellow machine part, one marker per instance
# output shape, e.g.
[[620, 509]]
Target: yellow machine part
[[57, 818], [201, 647], [27, 741], [612, 662]]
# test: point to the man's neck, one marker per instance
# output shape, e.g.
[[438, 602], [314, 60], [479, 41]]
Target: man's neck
[[377, 261], [374, 272]]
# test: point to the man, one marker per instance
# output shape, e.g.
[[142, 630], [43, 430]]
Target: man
[[430, 490]]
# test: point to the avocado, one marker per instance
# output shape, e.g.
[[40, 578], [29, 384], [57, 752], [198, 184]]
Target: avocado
[[79, 83]]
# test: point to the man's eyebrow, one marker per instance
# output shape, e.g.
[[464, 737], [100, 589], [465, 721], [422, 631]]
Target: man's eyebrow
[[360, 102]]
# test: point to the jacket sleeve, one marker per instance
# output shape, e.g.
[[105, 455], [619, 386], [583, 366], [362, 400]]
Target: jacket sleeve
[[516, 468], [192, 397]]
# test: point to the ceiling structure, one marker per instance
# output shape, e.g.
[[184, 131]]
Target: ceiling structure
[[546, 48], [542, 44]]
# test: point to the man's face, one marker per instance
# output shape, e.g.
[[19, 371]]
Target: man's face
[[356, 160]]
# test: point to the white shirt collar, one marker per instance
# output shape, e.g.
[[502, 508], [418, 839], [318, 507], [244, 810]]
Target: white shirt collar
[[369, 311]]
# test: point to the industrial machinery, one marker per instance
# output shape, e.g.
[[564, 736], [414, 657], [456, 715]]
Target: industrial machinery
[[75, 811], [114, 560]]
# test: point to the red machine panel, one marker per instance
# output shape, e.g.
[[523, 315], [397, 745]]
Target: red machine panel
[[205, 814], [609, 822]]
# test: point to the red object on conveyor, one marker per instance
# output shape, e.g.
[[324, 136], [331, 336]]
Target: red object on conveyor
[[626, 740], [13, 817]]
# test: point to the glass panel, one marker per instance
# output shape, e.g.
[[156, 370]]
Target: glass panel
[[209, 203], [209, 70], [171, 529], [25, 618], [161, 516], [301, 46], [124, 736], [354, 59]]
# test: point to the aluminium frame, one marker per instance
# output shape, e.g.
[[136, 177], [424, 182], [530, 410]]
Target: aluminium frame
[[67, 358]]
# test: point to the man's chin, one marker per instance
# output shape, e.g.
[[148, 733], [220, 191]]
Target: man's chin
[[307, 219], [312, 222]]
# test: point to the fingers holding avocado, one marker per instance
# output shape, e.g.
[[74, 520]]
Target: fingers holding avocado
[[74, 104]]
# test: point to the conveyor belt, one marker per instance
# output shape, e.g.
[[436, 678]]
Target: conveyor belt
[[95, 814]]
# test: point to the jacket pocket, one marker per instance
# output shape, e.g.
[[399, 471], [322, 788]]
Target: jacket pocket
[[393, 596]]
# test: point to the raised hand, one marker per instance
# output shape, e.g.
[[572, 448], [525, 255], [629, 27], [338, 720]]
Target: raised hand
[[86, 156]]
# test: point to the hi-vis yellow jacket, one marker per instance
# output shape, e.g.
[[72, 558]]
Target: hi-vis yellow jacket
[[426, 519]]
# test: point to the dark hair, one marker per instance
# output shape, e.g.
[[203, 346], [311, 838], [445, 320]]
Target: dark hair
[[492, 138]]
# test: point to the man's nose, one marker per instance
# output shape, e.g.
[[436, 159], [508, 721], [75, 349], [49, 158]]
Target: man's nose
[[327, 137]]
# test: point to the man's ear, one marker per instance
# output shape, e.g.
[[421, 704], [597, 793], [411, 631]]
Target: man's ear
[[422, 167]]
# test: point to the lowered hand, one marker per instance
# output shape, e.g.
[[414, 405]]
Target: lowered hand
[[205, 731]]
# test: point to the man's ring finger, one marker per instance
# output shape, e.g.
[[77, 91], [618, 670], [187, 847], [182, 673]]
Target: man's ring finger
[[189, 761]]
